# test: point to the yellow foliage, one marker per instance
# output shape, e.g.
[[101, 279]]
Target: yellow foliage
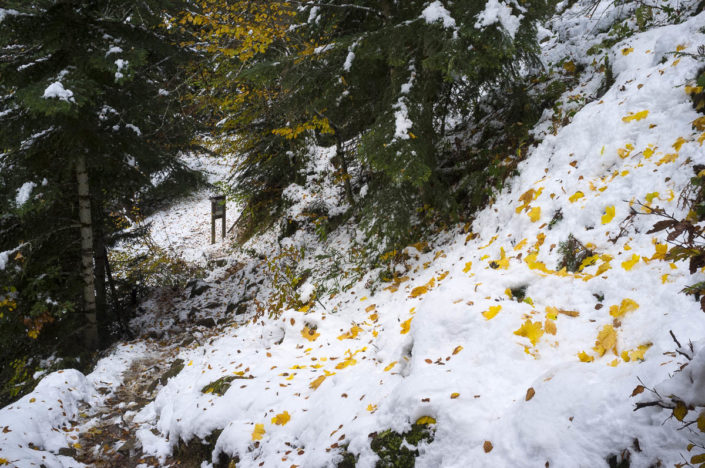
[[258, 432], [627, 50], [467, 267], [629, 264], [535, 214], [678, 143], [606, 340], [310, 334], [492, 312], [585, 357], [317, 382], [669, 158], [609, 214], [626, 306], [531, 330], [405, 326], [390, 366], [425, 420], [281, 419], [576, 196], [637, 116], [352, 333]]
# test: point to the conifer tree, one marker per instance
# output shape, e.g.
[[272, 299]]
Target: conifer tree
[[90, 119]]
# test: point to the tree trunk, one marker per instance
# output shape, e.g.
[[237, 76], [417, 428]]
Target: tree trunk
[[90, 328], [344, 167], [99, 257]]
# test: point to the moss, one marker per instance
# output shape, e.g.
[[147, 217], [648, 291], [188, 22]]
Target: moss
[[393, 448], [220, 386], [196, 451]]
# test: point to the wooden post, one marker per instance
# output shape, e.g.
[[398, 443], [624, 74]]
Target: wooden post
[[217, 211]]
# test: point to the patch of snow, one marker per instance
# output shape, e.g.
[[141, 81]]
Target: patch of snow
[[437, 12], [57, 90], [497, 11], [23, 193]]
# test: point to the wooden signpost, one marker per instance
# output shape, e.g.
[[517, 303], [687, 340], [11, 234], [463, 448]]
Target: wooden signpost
[[217, 211]]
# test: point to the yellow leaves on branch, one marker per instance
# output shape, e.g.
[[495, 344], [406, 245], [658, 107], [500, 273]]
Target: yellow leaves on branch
[[637, 116], [625, 307], [316, 123], [531, 330], [281, 419]]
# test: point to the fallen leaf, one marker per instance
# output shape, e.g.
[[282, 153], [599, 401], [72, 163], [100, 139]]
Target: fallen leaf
[[390, 366], [491, 312], [576, 196], [258, 432], [701, 421], [585, 357], [550, 327], [535, 214], [531, 330], [678, 143], [309, 333], [467, 267], [281, 419], [627, 50], [317, 382], [453, 396], [457, 350], [626, 306], [487, 446], [530, 393], [638, 116], [629, 264], [405, 326], [609, 214], [606, 340], [370, 308]]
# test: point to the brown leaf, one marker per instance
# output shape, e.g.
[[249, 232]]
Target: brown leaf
[[487, 446], [639, 389], [530, 393], [661, 225]]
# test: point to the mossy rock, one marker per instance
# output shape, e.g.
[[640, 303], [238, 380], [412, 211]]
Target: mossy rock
[[220, 386], [196, 451], [176, 367], [393, 452]]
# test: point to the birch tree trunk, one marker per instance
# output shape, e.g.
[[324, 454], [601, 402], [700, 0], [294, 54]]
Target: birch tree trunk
[[90, 334]]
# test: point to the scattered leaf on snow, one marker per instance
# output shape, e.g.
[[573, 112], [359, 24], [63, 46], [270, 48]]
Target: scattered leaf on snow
[[606, 340], [281, 419], [352, 333], [487, 446], [467, 267], [629, 264], [390, 366], [627, 51], [317, 382], [637, 116], [550, 327], [609, 214], [405, 326], [530, 393], [585, 357], [457, 350], [626, 306], [535, 214], [258, 432], [576, 196], [454, 395], [310, 334], [531, 330], [492, 312], [637, 390], [678, 143]]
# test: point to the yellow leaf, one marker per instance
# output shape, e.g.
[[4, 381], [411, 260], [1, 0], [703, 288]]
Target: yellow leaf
[[405, 326], [609, 214], [701, 421], [551, 313], [661, 251], [531, 330], [454, 395], [492, 312], [606, 340], [679, 142], [370, 308], [425, 420], [371, 407], [585, 357], [680, 47], [649, 151], [534, 214], [664, 278], [508, 292], [669, 158], [520, 245], [503, 261], [467, 268], [650, 196], [190, 363], [638, 116], [629, 264], [550, 327], [310, 334], [576, 196], [32, 400], [457, 350], [699, 123], [626, 306], [390, 366], [693, 89], [3, 461], [281, 419], [627, 50], [352, 333], [680, 411], [258, 432], [636, 354], [317, 382], [613, 363]]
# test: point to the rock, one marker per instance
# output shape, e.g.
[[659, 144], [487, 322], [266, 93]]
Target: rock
[[206, 322], [68, 452], [176, 367], [230, 307], [212, 305], [187, 341], [241, 309], [197, 288]]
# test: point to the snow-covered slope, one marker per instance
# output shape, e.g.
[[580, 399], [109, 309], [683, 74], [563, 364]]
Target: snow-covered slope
[[542, 382]]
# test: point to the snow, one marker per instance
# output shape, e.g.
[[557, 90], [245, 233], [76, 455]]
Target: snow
[[402, 122], [114, 50], [134, 128], [23, 193], [350, 57], [57, 90], [437, 12], [497, 11], [121, 65], [448, 341], [4, 257]]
